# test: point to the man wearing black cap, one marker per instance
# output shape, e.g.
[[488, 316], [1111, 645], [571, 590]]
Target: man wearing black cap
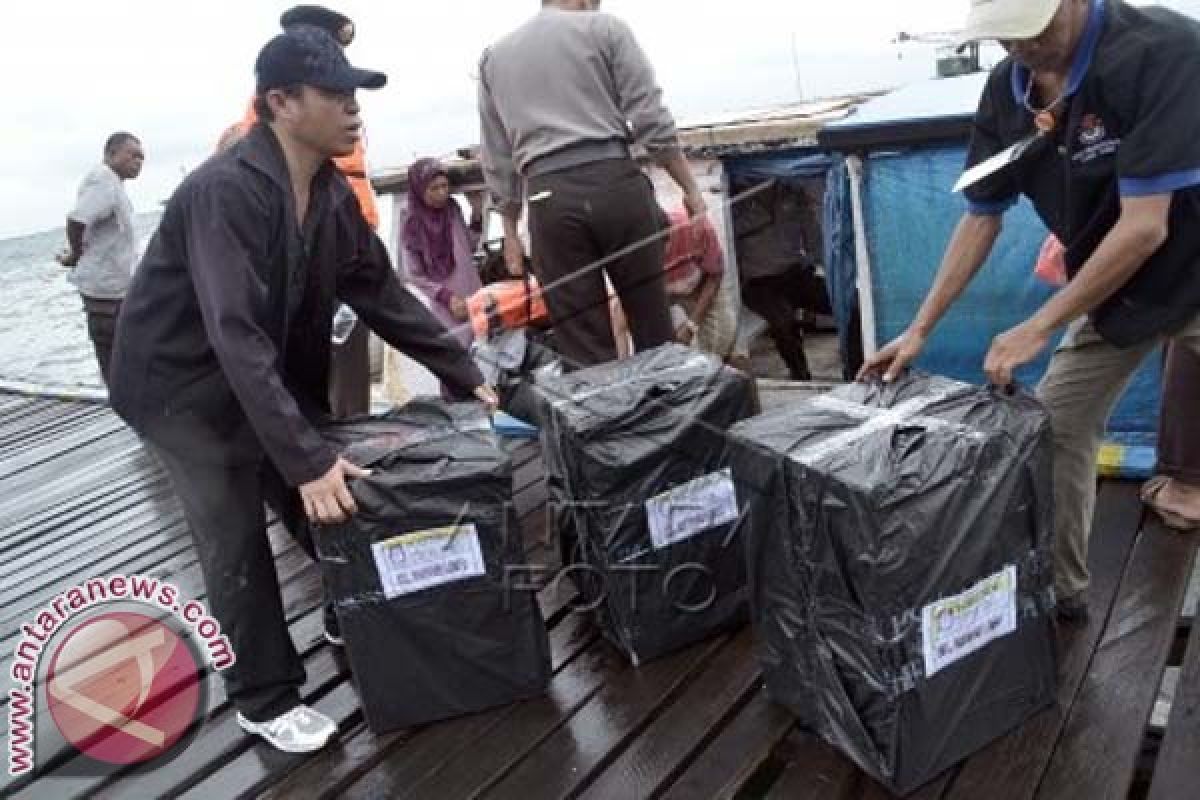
[[349, 377], [222, 354], [1093, 116]]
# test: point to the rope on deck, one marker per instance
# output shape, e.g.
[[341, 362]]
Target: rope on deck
[[88, 394]]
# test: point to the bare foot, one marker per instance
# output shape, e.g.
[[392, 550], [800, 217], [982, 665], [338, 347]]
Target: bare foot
[[1178, 503]]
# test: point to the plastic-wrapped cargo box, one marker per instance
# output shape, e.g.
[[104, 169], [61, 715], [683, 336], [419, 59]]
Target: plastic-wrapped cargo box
[[422, 577], [639, 478], [899, 548]]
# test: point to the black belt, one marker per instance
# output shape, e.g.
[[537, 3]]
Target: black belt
[[577, 155]]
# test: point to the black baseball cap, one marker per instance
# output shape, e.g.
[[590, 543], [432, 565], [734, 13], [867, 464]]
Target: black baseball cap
[[308, 55]]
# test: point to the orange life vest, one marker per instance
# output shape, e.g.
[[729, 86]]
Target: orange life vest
[[506, 305]]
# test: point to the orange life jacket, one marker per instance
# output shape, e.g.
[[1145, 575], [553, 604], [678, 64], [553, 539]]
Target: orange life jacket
[[506, 305], [353, 166]]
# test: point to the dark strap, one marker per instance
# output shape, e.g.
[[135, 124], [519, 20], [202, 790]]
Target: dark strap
[[528, 297], [493, 316]]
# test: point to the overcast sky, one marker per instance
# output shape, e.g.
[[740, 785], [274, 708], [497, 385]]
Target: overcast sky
[[177, 73]]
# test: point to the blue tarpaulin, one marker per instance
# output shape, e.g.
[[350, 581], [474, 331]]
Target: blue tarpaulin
[[783, 165], [840, 274], [910, 214]]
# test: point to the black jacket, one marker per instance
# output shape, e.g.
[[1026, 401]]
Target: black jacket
[[224, 335]]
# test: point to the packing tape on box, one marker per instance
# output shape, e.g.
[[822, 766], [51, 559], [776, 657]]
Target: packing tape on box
[[876, 419]]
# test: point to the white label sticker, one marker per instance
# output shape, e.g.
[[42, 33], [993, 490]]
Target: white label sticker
[[691, 508], [954, 627], [429, 558]]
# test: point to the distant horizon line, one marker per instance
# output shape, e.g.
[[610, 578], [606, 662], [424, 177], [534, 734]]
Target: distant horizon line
[[6, 237]]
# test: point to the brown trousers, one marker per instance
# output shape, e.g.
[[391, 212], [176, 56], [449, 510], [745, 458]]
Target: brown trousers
[[587, 222]]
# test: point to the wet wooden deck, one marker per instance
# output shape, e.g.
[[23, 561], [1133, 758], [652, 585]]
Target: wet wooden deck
[[80, 498]]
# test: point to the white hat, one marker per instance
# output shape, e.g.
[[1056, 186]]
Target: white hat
[[1008, 19]]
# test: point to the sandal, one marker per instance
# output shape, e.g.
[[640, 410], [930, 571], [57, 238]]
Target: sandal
[[1172, 519]]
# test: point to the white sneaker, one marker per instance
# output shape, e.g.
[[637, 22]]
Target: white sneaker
[[301, 730]]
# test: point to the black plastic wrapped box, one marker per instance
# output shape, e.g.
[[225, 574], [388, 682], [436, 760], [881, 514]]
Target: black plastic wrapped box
[[638, 474], [422, 577], [899, 542]]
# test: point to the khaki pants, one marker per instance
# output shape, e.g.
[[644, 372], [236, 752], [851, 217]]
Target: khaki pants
[[1086, 378]]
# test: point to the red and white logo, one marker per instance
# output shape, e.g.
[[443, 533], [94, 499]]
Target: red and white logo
[[1091, 129], [123, 688]]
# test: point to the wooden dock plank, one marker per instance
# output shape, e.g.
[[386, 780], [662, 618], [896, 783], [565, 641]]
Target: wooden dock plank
[[13, 403], [61, 486], [661, 751], [14, 465], [627, 701], [239, 768], [406, 759], [259, 764], [1175, 772], [301, 593], [1012, 767], [62, 480], [933, 790], [246, 764], [257, 767], [737, 752], [815, 771], [78, 494], [1097, 752], [177, 564], [326, 775], [124, 537], [218, 737], [78, 523], [36, 425]]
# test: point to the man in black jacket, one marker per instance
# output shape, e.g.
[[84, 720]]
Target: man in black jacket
[[222, 354]]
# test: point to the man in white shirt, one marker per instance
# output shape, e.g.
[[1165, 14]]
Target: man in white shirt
[[101, 240]]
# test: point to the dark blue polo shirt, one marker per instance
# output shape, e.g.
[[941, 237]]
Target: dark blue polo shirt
[[1130, 126]]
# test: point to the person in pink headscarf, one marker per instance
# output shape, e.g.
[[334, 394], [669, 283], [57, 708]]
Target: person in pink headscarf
[[438, 247]]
